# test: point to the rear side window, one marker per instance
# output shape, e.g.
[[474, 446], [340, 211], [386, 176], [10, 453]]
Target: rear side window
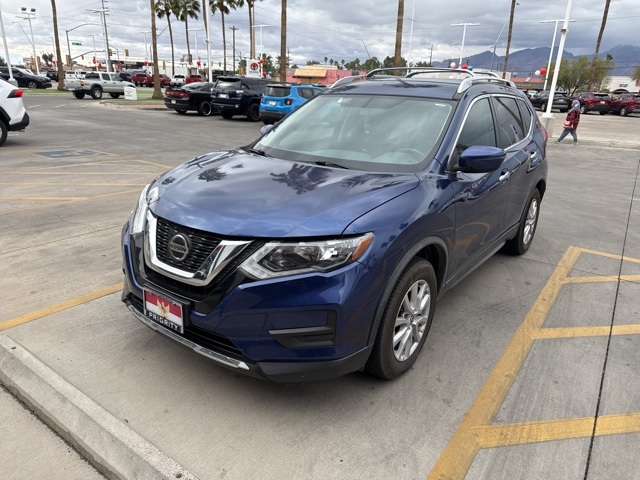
[[92, 75], [478, 129], [277, 91], [510, 125], [525, 113], [306, 92]]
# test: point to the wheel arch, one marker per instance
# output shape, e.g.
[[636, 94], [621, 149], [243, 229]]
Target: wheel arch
[[434, 250]]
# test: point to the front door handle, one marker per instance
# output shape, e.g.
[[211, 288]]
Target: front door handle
[[504, 176]]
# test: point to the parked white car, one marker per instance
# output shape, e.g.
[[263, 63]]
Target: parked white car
[[178, 80], [13, 116]]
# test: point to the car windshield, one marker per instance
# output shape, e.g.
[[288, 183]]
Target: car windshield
[[279, 91], [369, 132], [24, 71]]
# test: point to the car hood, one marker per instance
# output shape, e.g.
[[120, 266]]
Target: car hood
[[239, 194]]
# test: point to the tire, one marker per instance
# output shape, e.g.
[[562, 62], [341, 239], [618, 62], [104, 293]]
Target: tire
[[253, 112], [79, 95], [114, 95], [4, 131], [205, 109], [623, 111], [522, 241], [543, 107], [583, 109], [96, 93], [181, 111], [603, 113], [226, 115], [405, 321], [32, 84]]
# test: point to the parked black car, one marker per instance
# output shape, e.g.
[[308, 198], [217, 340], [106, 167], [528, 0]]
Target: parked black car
[[52, 75], [193, 97], [25, 78], [125, 76], [239, 96], [560, 101]]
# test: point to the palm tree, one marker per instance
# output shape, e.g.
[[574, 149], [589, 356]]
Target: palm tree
[[186, 9], [157, 93], [165, 8], [397, 59], [595, 55], [506, 56], [283, 42], [223, 7], [54, 11]]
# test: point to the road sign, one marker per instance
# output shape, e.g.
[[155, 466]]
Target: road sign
[[79, 44]]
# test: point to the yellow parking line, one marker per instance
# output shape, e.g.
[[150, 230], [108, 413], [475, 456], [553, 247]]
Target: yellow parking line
[[74, 302], [156, 164], [463, 446], [610, 255], [603, 278], [574, 332], [532, 432]]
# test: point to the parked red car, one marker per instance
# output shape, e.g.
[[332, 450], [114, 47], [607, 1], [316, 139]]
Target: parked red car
[[142, 79], [625, 104], [594, 102], [194, 78], [165, 81]]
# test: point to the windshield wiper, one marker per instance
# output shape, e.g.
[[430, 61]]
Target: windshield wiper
[[330, 164], [257, 151]]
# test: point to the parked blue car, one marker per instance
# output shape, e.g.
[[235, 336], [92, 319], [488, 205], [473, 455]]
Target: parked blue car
[[321, 248], [280, 99]]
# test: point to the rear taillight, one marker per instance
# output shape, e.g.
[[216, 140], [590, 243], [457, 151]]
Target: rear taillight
[[545, 135], [15, 94], [288, 101], [82, 84]]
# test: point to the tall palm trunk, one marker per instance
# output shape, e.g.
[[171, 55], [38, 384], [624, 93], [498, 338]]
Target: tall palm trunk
[[173, 56], [397, 59], [186, 29], [224, 45], [252, 33], [592, 74], [506, 56], [54, 12], [283, 42], [157, 93]]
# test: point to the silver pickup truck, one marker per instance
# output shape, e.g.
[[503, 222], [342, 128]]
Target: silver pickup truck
[[97, 83]]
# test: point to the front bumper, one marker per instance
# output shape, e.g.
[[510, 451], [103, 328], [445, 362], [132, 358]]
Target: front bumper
[[309, 327]]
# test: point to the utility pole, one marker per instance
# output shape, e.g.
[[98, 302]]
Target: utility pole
[[413, 12], [103, 17], [95, 60], [29, 13], [146, 47], [12, 81], [234, 47]]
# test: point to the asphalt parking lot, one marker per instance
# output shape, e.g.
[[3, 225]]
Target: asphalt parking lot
[[529, 370]]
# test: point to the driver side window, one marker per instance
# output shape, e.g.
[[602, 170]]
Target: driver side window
[[478, 129]]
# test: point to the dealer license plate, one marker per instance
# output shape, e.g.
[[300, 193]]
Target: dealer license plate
[[223, 95], [163, 311], [272, 102], [173, 101]]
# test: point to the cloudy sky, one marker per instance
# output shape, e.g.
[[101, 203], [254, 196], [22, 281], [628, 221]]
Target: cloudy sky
[[337, 29]]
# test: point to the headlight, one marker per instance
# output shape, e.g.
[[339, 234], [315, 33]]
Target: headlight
[[277, 259], [140, 213]]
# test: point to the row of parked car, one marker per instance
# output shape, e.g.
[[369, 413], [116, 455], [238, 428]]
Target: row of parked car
[[255, 98], [603, 103]]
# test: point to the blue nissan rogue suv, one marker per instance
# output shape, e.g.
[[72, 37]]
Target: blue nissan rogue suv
[[321, 248]]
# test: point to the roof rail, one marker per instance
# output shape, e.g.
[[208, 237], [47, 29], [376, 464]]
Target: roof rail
[[469, 82], [345, 80]]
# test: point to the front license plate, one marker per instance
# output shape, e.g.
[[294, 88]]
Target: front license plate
[[173, 101], [163, 311], [223, 95], [272, 103]]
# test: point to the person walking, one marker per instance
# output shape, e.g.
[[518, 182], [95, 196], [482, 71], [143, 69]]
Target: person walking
[[571, 123]]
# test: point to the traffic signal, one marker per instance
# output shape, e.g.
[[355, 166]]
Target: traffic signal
[[69, 60], [110, 52], [126, 52]]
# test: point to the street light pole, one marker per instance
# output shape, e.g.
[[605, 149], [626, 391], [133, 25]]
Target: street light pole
[[146, 52], [413, 11], [67, 34], [6, 51], [261, 46], [29, 13], [464, 33], [95, 60], [195, 34], [208, 30], [553, 43], [234, 28]]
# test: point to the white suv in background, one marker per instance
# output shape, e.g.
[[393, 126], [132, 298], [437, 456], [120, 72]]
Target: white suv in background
[[13, 116]]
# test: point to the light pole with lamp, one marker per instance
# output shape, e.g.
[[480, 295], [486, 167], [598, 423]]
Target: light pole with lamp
[[195, 34], [464, 33], [31, 13], [95, 60], [12, 81], [67, 34], [145, 45], [553, 43], [261, 46]]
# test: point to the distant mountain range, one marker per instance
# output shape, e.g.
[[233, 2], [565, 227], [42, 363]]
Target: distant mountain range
[[525, 62]]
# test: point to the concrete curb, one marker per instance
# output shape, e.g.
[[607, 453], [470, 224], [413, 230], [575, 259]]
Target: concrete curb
[[106, 442], [133, 106]]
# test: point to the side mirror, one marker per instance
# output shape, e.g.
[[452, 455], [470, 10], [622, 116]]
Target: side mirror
[[266, 129], [481, 159]]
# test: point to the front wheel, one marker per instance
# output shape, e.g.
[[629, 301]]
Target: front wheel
[[78, 95], [623, 111], [96, 93], [4, 131], [543, 107], [405, 321], [31, 84], [522, 241], [583, 109]]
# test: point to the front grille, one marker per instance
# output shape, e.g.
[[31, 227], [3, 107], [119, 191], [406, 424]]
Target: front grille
[[202, 245]]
